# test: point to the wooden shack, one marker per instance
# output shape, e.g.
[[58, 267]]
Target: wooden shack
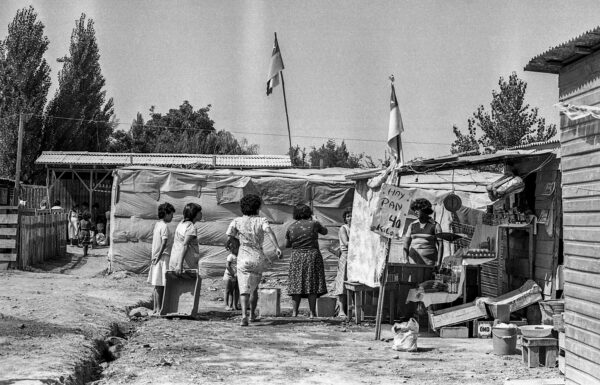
[[577, 64], [538, 164]]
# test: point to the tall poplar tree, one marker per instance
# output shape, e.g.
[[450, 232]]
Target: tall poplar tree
[[80, 97], [24, 84], [510, 122]]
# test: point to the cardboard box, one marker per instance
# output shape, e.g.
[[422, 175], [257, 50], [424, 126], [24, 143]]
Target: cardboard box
[[182, 294], [457, 314], [269, 301], [454, 332]]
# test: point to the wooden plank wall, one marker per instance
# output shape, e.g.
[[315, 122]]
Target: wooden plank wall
[[580, 147], [41, 237], [9, 224], [547, 239], [546, 245]]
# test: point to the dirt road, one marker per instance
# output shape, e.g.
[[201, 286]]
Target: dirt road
[[54, 317]]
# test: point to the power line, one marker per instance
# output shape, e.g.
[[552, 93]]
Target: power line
[[81, 120]]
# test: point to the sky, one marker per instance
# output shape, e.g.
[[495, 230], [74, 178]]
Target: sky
[[446, 56]]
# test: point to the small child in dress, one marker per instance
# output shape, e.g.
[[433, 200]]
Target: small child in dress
[[162, 241], [232, 292]]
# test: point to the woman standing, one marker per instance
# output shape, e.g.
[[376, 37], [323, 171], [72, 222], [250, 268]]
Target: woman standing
[[307, 272], [185, 243], [74, 225], [420, 243], [250, 230], [342, 272]]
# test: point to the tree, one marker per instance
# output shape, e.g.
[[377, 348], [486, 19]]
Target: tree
[[182, 130], [510, 122], [333, 155], [24, 84], [78, 117], [298, 157]]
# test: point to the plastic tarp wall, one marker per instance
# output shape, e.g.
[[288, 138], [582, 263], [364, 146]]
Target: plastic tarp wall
[[137, 193], [366, 253]]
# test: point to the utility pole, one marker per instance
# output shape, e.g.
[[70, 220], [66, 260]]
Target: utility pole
[[19, 157]]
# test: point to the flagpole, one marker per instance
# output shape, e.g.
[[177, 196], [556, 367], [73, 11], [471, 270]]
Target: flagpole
[[287, 118]]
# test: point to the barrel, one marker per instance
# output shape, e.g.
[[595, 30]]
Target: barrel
[[504, 340]]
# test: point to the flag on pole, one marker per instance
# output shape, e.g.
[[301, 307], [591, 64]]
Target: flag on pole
[[275, 67], [396, 128]]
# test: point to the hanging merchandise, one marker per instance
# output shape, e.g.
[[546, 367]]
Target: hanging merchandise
[[452, 202], [508, 184]]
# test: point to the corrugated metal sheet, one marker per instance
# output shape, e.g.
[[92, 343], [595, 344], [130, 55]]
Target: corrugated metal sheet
[[557, 57], [69, 158]]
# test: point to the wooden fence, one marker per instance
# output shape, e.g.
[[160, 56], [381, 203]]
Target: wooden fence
[[41, 237]]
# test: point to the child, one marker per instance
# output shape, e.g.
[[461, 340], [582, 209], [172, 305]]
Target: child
[[162, 241], [232, 293], [100, 236], [85, 232]]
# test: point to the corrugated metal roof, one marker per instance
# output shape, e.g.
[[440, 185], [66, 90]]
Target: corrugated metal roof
[[555, 58], [77, 158], [449, 162], [550, 143]]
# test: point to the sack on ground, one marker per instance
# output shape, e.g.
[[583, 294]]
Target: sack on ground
[[406, 333]]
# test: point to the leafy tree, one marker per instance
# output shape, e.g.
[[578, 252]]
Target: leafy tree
[[183, 130], [510, 122], [80, 97], [24, 84], [298, 157], [334, 156]]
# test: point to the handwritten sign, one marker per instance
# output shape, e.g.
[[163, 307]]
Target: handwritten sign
[[392, 208]]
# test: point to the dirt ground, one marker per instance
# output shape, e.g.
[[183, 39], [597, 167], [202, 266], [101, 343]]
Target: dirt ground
[[54, 318]]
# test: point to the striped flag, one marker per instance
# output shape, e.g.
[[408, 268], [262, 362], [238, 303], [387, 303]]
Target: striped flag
[[275, 67], [395, 129]]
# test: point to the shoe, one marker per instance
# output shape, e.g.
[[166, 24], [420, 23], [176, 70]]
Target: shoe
[[244, 321], [254, 319]]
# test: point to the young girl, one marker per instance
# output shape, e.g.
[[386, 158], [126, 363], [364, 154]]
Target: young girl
[[162, 242], [232, 293], [85, 232]]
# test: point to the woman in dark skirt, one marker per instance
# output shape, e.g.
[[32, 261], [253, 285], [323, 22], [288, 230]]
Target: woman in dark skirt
[[306, 277]]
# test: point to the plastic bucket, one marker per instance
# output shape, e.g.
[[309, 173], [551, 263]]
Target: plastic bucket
[[504, 340]]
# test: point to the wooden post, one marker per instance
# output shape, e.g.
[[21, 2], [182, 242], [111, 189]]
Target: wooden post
[[383, 279], [18, 165], [287, 118], [382, 283], [91, 190]]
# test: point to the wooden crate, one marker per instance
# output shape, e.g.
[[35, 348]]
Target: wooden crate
[[457, 314], [526, 295], [454, 332], [9, 241]]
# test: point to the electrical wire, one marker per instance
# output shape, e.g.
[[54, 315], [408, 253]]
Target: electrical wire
[[82, 121]]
